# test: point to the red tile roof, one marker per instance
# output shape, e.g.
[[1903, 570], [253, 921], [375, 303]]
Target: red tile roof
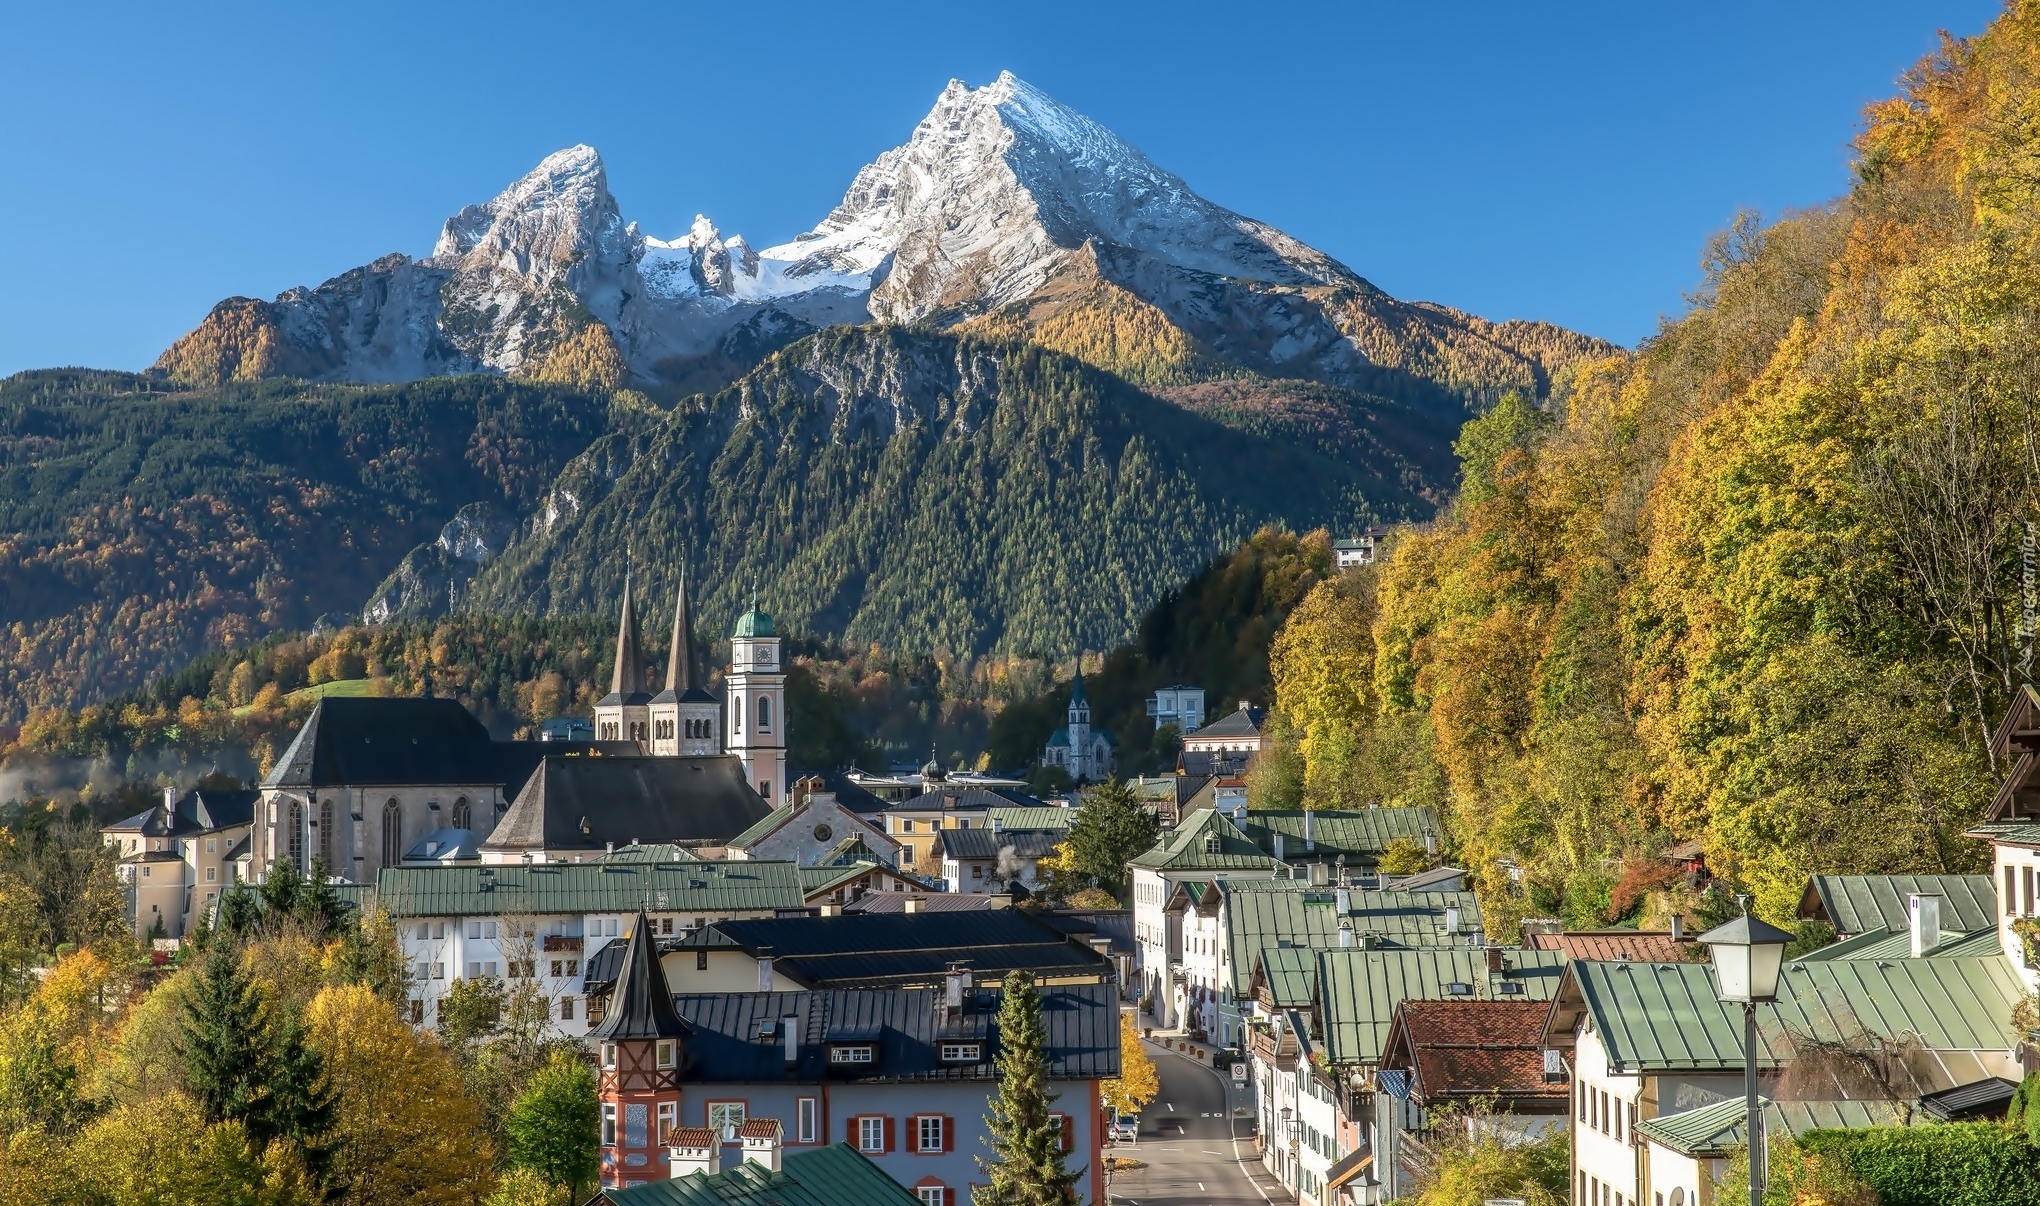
[[1474, 1048]]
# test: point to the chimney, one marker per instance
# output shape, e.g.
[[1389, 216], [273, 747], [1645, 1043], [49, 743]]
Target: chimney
[[1494, 960], [1277, 851], [1678, 928], [1244, 705], [170, 800], [832, 910], [1309, 830], [694, 1149], [998, 824], [1431, 842], [1452, 919], [609, 847], [1926, 923], [953, 985], [911, 904], [1345, 900], [764, 969], [1345, 934], [761, 1142], [1320, 875], [789, 1026]]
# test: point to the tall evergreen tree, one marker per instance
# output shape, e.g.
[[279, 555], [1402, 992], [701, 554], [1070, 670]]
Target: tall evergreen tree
[[1028, 1170], [318, 905], [299, 1106], [240, 908], [222, 1039], [1111, 828], [281, 889]]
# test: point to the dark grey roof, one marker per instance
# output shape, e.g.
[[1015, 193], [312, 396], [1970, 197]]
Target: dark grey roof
[[1242, 722], [933, 902], [990, 843], [1979, 1099], [850, 795], [201, 811], [879, 949], [689, 801], [626, 680], [964, 799], [364, 742], [1202, 765], [907, 1025], [641, 1005]]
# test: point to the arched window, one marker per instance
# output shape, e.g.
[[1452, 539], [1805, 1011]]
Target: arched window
[[764, 713], [463, 816], [737, 714], [392, 833], [326, 834], [296, 841]]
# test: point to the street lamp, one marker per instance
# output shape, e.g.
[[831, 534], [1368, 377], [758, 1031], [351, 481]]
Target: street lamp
[[1747, 955]]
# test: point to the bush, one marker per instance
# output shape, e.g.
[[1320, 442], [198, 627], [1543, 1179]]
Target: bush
[[1953, 1164]]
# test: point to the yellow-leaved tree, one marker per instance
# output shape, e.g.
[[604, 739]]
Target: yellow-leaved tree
[[405, 1133], [1136, 1084]]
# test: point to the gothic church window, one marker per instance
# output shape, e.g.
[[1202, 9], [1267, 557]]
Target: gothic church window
[[392, 833], [764, 713], [297, 835], [463, 816], [326, 833]]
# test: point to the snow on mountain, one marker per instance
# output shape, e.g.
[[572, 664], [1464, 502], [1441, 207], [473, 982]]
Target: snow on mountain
[[999, 190]]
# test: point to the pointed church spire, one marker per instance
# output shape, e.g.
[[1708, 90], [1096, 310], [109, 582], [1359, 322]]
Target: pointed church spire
[[641, 1004], [628, 677], [680, 662]]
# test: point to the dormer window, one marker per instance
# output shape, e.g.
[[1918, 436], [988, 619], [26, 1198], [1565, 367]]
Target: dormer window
[[851, 1053], [1459, 988], [664, 1054], [962, 1053], [1211, 843]]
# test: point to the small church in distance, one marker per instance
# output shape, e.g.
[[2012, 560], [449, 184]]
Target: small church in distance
[[683, 720], [1085, 754]]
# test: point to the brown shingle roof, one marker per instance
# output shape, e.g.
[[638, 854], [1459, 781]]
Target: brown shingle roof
[[1640, 946], [1474, 1048]]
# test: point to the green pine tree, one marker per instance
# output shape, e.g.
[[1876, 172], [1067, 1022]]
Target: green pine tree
[[223, 1039], [1111, 828], [555, 1124], [281, 888], [299, 1107], [1028, 1170], [317, 904], [240, 909]]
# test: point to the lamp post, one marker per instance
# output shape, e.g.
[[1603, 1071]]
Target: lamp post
[[1747, 955]]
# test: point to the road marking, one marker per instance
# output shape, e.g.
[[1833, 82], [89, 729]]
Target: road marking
[[1172, 1107], [1201, 1189]]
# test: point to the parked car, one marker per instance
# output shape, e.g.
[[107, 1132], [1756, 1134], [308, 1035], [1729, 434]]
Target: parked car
[[1126, 1128]]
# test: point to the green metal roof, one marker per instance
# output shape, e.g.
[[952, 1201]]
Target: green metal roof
[[765, 825], [1044, 817], [1856, 904], [649, 852], [1291, 973], [2015, 833], [1261, 913], [1362, 833], [1182, 848], [1884, 944], [1713, 1130], [1358, 991], [568, 888], [754, 623], [1656, 1017], [836, 1175]]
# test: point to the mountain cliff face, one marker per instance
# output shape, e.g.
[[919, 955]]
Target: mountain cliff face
[[1004, 206], [931, 491]]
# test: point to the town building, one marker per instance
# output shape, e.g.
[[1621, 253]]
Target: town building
[[842, 887], [1237, 733], [1203, 845], [915, 822], [540, 926], [1683, 1156], [1649, 1041], [178, 856], [1862, 904], [576, 807], [756, 687], [1177, 705], [814, 829], [1361, 549], [768, 1173], [1084, 753], [902, 1075], [1458, 1066], [994, 858], [686, 720]]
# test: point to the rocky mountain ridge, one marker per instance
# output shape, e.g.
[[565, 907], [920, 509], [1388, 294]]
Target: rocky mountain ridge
[[1001, 197]]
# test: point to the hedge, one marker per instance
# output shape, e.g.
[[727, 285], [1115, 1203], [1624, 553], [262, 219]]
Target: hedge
[[1952, 1164]]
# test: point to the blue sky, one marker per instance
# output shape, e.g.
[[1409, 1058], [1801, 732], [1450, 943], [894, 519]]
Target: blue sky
[[1517, 161]]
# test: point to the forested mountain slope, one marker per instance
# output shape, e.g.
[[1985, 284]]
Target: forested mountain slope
[[939, 492], [139, 528], [1758, 586]]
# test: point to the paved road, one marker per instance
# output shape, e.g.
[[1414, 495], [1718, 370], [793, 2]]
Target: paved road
[[1198, 1150]]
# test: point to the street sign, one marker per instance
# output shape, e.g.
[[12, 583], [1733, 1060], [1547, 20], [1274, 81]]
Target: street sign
[[1239, 1072]]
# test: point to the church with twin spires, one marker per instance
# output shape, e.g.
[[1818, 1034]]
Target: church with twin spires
[[685, 719]]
